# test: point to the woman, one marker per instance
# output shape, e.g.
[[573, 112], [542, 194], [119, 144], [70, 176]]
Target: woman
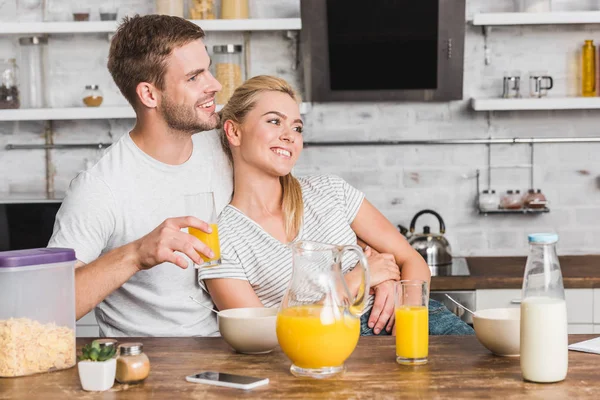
[[262, 135]]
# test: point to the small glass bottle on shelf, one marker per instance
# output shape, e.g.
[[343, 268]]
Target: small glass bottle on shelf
[[92, 96], [588, 63]]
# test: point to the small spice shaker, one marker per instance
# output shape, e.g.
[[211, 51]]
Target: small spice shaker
[[133, 364], [535, 199], [489, 200], [92, 96], [512, 200]]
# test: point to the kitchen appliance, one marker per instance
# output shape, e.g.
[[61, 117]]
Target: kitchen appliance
[[26, 225], [433, 247], [341, 37]]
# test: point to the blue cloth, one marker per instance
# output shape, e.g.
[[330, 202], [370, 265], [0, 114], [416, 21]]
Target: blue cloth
[[441, 322]]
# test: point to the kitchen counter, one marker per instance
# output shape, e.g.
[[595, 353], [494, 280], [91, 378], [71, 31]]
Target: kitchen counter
[[459, 367], [579, 272]]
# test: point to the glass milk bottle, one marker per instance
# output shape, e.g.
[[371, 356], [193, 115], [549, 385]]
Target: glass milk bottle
[[544, 339]]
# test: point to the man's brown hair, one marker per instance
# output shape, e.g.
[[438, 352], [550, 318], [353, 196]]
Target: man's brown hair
[[141, 46]]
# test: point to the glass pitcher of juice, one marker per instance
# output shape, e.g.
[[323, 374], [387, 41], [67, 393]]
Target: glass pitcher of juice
[[318, 324]]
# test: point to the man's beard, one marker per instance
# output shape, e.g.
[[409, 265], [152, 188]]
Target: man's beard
[[184, 118]]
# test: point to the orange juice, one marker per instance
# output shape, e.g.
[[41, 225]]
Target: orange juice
[[412, 332], [316, 336], [211, 240]]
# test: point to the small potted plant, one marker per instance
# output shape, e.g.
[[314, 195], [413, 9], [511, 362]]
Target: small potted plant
[[97, 367]]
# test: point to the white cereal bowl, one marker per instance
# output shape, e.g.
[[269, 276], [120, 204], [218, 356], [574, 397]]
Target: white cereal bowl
[[498, 330], [249, 330]]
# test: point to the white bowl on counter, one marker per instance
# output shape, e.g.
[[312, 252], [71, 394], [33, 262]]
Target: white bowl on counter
[[499, 330], [249, 330]]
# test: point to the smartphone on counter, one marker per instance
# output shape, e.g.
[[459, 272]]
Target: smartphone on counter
[[227, 380]]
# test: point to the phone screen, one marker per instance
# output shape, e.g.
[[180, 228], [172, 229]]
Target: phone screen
[[229, 378]]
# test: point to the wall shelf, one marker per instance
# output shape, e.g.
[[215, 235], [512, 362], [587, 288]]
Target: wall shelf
[[519, 211], [58, 114], [215, 25], [548, 18], [73, 113], [546, 103]]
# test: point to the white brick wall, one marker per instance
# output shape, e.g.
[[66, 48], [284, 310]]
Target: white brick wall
[[398, 180]]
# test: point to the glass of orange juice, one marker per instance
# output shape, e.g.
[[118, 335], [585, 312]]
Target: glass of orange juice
[[412, 322], [202, 206]]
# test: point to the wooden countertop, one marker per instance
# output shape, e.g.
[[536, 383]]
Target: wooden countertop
[[459, 367], [578, 272]]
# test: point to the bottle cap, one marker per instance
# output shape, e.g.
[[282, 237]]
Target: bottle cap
[[131, 349], [543, 238]]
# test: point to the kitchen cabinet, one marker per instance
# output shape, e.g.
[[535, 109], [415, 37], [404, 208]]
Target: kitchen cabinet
[[580, 305], [580, 329], [497, 298]]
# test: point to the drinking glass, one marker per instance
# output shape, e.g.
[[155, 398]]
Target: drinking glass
[[412, 322], [202, 206], [539, 83], [511, 86]]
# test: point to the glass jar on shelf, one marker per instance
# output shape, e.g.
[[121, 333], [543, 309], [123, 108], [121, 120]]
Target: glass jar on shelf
[[202, 9], [512, 200], [108, 12], [33, 71], [92, 96], [489, 200], [535, 199], [30, 10], [81, 14], [228, 69], [533, 5], [234, 9], [170, 7], [9, 85]]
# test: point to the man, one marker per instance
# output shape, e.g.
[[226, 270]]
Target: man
[[124, 216]]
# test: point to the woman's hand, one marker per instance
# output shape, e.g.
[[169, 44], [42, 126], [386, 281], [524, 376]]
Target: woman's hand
[[383, 314], [382, 267]]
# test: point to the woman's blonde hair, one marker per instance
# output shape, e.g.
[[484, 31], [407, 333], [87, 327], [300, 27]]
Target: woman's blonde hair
[[237, 108]]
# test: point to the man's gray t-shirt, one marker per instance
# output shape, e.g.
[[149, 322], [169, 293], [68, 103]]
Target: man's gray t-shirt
[[123, 197]]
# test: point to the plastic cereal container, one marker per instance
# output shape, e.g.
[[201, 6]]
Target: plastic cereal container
[[37, 312]]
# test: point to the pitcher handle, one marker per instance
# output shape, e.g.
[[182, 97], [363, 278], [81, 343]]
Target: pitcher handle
[[359, 303]]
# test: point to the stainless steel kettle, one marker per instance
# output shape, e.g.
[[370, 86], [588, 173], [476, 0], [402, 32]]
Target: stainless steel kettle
[[433, 247]]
